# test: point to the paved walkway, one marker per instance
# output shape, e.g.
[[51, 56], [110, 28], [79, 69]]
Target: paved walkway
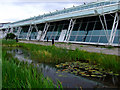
[[89, 48]]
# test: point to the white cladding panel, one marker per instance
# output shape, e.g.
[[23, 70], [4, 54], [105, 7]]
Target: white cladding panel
[[62, 35]]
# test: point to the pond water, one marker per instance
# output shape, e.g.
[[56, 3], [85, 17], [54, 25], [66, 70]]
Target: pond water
[[68, 80]]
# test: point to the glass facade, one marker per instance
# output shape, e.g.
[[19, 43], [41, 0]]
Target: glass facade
[[15, 30], [24, 31], [55, 29], [90, 30], [87, 29], [34, 32]]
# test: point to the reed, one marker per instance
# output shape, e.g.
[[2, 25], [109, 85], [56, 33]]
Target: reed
[[16, 74], [55, 55]]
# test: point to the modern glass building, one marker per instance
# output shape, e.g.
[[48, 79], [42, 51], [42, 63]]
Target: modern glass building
[[92, 23]]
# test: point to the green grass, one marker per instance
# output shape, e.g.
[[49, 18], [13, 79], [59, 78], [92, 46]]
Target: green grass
[[17, 74], [54, 55], [108, 47], [0, 63]]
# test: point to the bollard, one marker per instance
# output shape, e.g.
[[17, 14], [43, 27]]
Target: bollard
[[6, 37], [47, 39], [52, 41], [16, 39], [29, 38]]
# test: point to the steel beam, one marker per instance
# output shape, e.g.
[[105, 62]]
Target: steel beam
[[104, 26], [114, 28], [29, 32], [11, 30], [18, 32], [70, 28], [44, 31]]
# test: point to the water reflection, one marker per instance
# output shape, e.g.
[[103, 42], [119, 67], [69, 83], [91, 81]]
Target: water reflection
[[67, 79]]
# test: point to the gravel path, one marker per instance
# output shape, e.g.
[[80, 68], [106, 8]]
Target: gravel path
[[89, 48]]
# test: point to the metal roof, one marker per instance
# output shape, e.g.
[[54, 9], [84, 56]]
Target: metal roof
[[86, 9]]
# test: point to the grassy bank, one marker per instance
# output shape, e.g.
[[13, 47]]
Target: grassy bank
[[0, 63], [16, 74], [54, 55]]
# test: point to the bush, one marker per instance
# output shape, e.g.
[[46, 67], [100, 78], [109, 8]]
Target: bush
[[10, 36]]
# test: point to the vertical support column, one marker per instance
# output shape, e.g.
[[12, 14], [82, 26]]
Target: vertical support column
[[18, 32], [114, 28], [35, 26], [104, 26], [29, 32], [30, 28], [70, 28], [44, 31], [6, 31], [11, 30]]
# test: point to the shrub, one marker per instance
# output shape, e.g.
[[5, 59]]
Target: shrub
[[10, 36]]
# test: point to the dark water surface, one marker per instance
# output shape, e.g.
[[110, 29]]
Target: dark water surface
[[67, 79]]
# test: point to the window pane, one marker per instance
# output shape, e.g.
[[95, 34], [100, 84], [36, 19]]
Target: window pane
[[109, 32], [51, 37], [33, 35], [59, 28], [102, 32], [90, 26], [83, 26], [109, 24], [57, 37], [46, 37], [89, 32], [75, 28], [49, 33], [87, 39], [96, 32], [103, 39], [117, 32], [82, 32], [94, 39], [98, 26], [50, 28], [72, 38], [116, 40], [65, 27], [80, 38], [23, 35], [74, 32]]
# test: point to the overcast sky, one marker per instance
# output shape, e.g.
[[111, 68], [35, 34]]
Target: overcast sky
[[14, 10]]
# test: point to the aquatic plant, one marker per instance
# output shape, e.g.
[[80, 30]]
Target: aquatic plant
[[84, 69], [19, 75]]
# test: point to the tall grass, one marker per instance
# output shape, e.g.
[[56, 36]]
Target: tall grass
[[19, 75], [54, 55]]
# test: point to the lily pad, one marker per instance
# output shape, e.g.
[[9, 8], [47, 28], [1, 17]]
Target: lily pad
[[99, 76], [57, 66], [93, 75], [60, 75], [116, 74], [87, 75]]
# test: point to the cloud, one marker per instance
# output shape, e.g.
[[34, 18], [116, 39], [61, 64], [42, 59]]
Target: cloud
[[14, 10], [48, 0]]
